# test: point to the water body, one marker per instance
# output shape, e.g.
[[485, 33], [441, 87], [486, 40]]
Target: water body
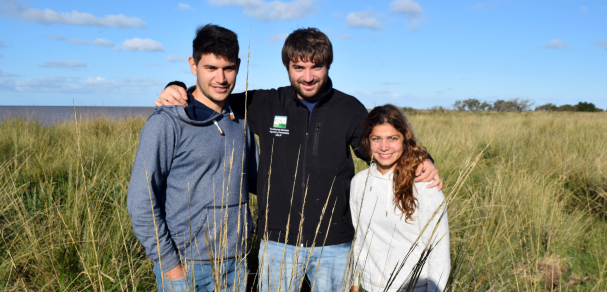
[[61, 114]]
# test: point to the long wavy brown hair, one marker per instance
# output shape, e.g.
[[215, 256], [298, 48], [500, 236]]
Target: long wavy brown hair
[[412, 156]]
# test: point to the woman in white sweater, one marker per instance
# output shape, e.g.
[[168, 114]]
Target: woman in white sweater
[[390, 211]]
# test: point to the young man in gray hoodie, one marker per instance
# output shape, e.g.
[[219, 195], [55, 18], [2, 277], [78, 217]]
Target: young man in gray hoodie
[[188, 194]]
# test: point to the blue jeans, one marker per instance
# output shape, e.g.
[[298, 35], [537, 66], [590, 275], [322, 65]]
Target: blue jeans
[[326, 272], [200, 278]]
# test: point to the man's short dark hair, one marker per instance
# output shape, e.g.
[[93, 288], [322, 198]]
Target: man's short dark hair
[[308, 45], [214, 39]]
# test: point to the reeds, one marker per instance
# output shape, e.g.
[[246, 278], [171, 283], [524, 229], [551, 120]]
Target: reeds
[[529, 217]]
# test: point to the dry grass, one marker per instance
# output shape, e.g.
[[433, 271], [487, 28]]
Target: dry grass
[[530, 217]]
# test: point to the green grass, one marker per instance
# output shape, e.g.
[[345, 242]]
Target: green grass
[[534, 209]]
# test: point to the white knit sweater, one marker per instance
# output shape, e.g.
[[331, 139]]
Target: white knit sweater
[[383, 238]]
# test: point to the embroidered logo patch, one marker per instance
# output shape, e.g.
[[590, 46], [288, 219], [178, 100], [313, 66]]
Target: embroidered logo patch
[[280, 122]]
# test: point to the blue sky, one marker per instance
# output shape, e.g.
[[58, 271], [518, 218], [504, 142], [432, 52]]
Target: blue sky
[[407, 52]]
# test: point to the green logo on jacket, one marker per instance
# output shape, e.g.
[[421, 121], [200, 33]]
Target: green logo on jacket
[[280, 122]]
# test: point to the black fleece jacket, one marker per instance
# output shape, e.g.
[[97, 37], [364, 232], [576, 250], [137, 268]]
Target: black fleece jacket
[[304, 165]]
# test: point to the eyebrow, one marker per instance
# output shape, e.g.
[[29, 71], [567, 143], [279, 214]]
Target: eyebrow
[[215, 67]]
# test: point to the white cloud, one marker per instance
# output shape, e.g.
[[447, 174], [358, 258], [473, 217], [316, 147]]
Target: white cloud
[[12, 8], [44, 84], [75, 85], [555, 44], [141, 45], [4, 74], [95, 81], [183, 6], [66, 65], [345, 36], [2, 45], [278, 38], [57, 37], [271, 11], [412, 11], [7, 84], [97, 42], [602, 44], [177, 59], [583, 9], [364, 19]]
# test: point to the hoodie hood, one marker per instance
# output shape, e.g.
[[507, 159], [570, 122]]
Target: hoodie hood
[[179, 113], [376, 174]]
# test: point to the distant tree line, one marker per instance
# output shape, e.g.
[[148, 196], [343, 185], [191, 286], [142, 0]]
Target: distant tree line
[[517, 105], [500, 105], [580, 107]]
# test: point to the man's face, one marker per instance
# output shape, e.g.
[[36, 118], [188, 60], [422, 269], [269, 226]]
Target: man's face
[[215, 75], [308, 79]]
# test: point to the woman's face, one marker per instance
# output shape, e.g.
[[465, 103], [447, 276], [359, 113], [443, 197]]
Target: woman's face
[[387, 145]]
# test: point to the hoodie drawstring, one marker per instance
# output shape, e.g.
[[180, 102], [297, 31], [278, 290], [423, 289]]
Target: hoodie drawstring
[[389, 201], [232, 115], [218, 128]]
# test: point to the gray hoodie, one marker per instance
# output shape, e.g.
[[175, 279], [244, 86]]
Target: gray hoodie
[[383, 238], [186, 181]]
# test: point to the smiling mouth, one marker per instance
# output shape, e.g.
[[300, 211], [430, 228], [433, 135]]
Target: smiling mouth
[[220, 89], [384, 156], [308, 86]]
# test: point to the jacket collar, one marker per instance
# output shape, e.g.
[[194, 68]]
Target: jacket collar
[[227, 109]]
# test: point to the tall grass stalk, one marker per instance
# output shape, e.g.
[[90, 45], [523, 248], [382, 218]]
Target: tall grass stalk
[[531, 216]]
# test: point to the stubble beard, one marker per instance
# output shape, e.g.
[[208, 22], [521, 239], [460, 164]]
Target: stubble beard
[[320, 89]]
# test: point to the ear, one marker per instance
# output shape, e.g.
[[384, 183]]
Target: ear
[[192, 65], [237, 65]]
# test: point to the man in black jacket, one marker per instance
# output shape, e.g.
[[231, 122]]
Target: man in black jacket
[[305, 133]]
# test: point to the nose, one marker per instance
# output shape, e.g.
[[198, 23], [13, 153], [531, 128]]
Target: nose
[[384, 145], [381, 146], [308, 77], [220, 77]]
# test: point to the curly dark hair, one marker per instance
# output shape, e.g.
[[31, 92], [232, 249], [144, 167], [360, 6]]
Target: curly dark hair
[[413, 154]]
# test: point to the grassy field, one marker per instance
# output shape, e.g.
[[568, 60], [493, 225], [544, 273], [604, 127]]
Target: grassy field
[[532, 216]]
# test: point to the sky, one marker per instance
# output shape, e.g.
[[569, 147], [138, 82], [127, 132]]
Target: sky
[[414, 53]]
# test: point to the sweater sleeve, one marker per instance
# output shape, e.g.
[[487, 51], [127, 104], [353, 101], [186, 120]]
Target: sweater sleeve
[[356, 138], [439, 260], [146, 194]]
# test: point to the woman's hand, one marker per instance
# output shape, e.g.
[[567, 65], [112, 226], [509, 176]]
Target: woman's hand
[[354, 289], [426, 172]]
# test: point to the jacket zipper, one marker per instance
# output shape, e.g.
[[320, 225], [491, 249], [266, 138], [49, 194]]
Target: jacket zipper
[[304, 177], [316, 139], [304, 174]]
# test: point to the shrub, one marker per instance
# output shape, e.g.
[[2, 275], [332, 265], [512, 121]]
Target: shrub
[[550, 107]]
